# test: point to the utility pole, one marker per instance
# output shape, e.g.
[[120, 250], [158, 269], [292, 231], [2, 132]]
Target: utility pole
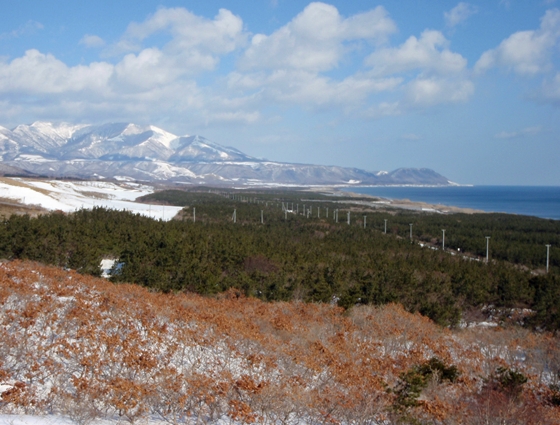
[[194, 215], [487, 247], [443, 241], [234, 216], [385, 226], [547, 256]]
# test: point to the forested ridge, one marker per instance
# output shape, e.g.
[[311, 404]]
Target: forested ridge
[[301, 255]]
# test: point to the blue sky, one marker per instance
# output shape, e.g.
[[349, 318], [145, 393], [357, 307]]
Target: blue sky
[[469, 89]]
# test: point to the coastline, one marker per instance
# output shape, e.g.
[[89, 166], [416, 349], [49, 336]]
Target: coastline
[[532, 201], [405, 204]]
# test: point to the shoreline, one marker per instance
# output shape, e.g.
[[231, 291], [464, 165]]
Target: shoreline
[[404, 204]]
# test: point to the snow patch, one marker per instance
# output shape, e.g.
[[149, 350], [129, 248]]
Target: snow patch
[[71, 196]]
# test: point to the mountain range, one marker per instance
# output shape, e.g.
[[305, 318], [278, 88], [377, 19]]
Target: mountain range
[[126, 151]]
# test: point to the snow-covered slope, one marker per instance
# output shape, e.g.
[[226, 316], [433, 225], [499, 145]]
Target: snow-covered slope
[[150, 154], [69, 196]]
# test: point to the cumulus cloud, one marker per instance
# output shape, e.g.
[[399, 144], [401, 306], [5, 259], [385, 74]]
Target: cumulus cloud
[[182, 78], [315, 39], [220, 35], [309, 89], [196, 43], [459, 14], [146, 81], [429, 53], [525, 52], [433, 74], [433, 91], [92, 41], [40, 73]]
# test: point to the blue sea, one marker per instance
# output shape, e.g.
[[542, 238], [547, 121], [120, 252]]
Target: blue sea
[[538, 201]]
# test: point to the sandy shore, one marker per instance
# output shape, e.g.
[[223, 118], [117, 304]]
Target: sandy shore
[[378, 202]]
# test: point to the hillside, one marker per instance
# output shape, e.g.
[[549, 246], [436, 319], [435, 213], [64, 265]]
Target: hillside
[[83, 347]]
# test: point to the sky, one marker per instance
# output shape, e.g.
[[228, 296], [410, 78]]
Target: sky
[[469, 89]]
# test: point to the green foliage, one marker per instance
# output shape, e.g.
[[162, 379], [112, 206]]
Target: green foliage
[[554, 398], [291, 256], [414, 381], [509, 381], [546, 301]]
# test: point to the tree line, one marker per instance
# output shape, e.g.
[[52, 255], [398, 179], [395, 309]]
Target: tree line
[[291, 257]]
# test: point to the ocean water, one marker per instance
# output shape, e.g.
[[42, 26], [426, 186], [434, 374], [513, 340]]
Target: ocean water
[[538, 201]]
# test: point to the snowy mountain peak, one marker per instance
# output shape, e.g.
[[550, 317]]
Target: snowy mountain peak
[[62, 130], [162, 136], [132, 129]]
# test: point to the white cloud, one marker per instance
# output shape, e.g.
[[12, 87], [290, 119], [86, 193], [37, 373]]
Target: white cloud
[[528, 131], [432, 74], [411, 136], [429, 54], [506, 3], [29, 27], [196, 43], [92, 41], [306, 88], [315, 39], [459, 14], [40, 73], [550, 91], [525, 52], [423, 92], [148, 83], [220, 35], [151, 81], [383, 109]]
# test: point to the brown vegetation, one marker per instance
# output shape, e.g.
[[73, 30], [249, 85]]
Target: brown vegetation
[[86, 348]]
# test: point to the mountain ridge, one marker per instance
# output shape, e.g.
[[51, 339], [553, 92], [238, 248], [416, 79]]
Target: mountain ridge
[[148, 153]]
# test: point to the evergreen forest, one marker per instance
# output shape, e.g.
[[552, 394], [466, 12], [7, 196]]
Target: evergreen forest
[[280, 245]]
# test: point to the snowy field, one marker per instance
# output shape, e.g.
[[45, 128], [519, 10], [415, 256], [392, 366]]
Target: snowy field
[[37, 420], [71, 196]]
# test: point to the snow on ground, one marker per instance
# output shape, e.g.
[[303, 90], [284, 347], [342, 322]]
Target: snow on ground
[[34, 420], [63, 420], [69, 196]]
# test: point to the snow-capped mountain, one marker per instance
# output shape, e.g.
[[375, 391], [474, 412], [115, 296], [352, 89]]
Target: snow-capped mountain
[[129, 151]]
